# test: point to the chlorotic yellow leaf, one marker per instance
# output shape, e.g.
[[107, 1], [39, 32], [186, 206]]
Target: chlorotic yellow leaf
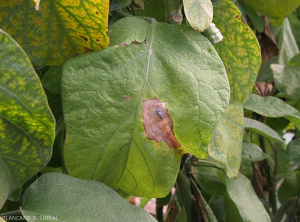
[[239, 50], [26, 122], [59, 30]]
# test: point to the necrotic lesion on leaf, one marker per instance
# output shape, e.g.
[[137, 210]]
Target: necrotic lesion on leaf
[[158, 123]]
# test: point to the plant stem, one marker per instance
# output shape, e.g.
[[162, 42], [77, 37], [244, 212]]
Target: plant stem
[[159, 213], [173, 11], [11, 213]]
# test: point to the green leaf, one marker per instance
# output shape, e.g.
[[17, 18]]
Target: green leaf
[[114, 99], [26, 122], [287, 78], [52, 79], [226, 143], [57, 31], [260, 128], [253, 152], [277, 9], [286, 42], [293, 151], [242, 194], [199, 13], [272, 107], [239, 51], [72, 200]]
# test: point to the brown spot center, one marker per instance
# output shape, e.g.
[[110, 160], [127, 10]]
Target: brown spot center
[[158, 123]]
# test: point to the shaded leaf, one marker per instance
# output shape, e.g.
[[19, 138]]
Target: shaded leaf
[[258, 22], [293, 151], [59, 30], [187, 200], [283, 209], [239, 51], [153, 9], [216, 203], [199, 13], [117, 4], [253, 152], [211, 180], [286, 42], [226, 143], [290, 186], [260, 128], [70, 199], [277, 9], [295, 25], [26, 122], [52, 79], [247, 203], [130, 107], [272, 107]]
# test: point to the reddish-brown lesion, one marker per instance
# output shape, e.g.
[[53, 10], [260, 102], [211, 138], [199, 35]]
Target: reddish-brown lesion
[[158, 127]]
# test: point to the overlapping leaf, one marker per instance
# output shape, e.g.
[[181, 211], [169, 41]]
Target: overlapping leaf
[[113, 97], [59, 197], [277, 9], [273, 107], [26, 122], [199, 13], [57, 31]]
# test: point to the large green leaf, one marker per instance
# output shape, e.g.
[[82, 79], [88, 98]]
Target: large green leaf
[[287, 78], [286, 42], [239, 50], [250, 208], [57, 31], [134, 109], [199, 13], [295, 25], [272, 107], [26, 122], [261, 128], [68, 199], [277, 9], [226, 143]]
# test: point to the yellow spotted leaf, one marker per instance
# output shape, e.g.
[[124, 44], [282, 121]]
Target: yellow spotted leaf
[[57, 31], [26, 122], [239, 50], [227, 140]]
